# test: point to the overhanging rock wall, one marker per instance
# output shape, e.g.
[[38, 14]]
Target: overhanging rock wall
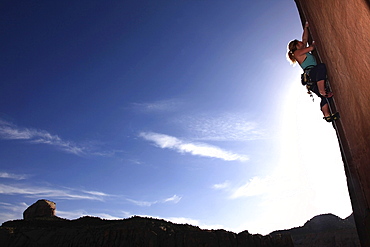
[[341, 30]]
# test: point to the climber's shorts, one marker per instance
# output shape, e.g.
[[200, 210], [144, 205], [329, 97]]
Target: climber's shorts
[[318, 73]]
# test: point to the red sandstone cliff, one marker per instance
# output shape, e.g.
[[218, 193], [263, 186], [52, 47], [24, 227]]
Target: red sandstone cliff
[[341, 30]]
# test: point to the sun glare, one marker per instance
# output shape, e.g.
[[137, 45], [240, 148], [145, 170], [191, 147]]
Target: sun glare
[[310, 173]]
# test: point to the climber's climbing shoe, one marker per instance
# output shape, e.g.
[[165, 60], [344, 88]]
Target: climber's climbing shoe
[[332, 117], [335, 116], [328, 119]]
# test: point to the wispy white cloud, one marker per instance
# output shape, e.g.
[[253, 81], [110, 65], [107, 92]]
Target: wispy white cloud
[[95, 193], [254, 187], [13, 176], [10, 131], [20, 207], [9, 211], [221, 186], [158, 106], [194, 148], [173, 199], [142, 203], [46, 192], [223, 127]]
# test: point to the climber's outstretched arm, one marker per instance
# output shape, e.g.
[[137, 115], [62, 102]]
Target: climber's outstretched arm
[[305, 34]]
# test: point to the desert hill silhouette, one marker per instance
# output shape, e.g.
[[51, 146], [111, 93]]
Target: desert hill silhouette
[[41, 227]]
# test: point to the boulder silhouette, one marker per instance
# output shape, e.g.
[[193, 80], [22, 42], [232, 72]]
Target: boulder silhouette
[[41, 208]]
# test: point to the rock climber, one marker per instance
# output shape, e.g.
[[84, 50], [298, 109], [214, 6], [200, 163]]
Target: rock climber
[[298, 51]]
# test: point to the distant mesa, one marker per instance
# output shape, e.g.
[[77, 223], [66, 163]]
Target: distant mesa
[[40, 209]]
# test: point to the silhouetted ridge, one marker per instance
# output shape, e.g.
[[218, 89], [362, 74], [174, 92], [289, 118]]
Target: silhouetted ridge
[[42, 228], [326, 222], [135, 231], [325, 230]]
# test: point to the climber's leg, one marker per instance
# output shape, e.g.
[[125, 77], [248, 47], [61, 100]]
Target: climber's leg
[[325, 110], [321, 86]]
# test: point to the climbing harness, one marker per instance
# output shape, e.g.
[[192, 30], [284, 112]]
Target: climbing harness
[[305, 77], [306, 80]]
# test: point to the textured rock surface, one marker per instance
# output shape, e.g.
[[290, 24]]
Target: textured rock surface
[[41, 208], [325, 230], [341, 30], [136, 231]]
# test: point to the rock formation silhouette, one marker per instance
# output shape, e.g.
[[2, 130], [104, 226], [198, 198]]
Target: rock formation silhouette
[[50, 230], [132, 232], [325, 230], [341, 30], [41, 208]]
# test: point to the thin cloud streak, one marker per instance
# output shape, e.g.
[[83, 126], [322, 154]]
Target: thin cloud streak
[[37, 192], [199, 149], [254, 187], [223, 127], [95, 193], [11, 211], [142, 203], [174, 199], [14, 207], [221, 186], [158, 106], [9, 131], [13, 176]]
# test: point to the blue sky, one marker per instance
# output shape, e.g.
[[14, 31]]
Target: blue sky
[[182, 110]]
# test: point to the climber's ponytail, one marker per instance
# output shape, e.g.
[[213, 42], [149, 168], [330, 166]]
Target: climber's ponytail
[[292, 47]]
